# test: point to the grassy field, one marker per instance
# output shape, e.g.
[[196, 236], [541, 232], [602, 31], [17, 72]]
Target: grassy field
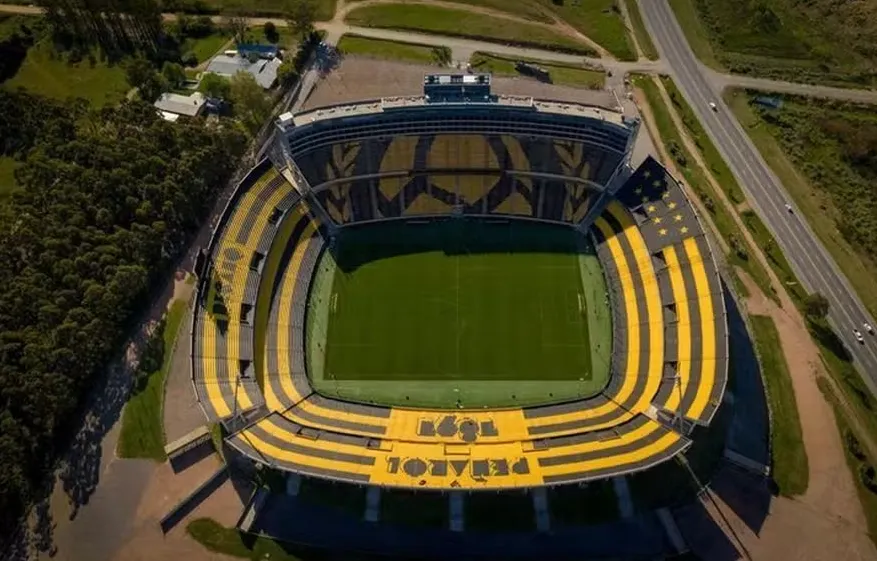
[[695, 177], [434, 303], [789, 469], [526, 9], [815, 41], [639, 29], [229, 541], [460, 23], [600, 20], [809, 145], [410, 508], [44, 73], [572, 505], [142, 434], [7, 178], [325, 8], [205, 47], [390, 50], [562, 74]]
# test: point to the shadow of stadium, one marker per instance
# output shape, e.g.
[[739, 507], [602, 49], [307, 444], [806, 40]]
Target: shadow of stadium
[[359, 245]]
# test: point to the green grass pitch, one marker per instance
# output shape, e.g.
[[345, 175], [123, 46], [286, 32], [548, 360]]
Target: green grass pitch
[[487, 313]]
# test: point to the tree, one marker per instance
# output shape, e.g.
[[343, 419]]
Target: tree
[[236, 25], [286, 73], [214, 86], [816, 307], [173, 73], [109, 200], [251, 105], [142, 75], [270, 31], [300, 16]]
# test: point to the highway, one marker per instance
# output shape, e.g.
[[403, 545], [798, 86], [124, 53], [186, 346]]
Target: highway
[[811, 262]]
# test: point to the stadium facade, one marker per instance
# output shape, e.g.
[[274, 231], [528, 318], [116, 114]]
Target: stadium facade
[[459, 150]]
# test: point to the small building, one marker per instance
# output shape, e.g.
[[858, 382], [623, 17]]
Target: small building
[[173, 105], [263, 70]]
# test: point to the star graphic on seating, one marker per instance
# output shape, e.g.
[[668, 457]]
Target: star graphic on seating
[[647, 174], [644, 199], [662, 232], [678, 218], [665, 195], [657, 184], [651, 208], [656, 220], [671, 205], [638, 190], [683, 230]]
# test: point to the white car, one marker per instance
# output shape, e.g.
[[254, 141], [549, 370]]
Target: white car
[[858, 335], [713, 106], [788, 207], [868, 328]]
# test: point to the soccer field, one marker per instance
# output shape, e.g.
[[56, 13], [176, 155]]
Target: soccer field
[[484, 313]]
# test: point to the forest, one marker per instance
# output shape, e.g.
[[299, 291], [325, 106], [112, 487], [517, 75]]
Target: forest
[[109, 200]]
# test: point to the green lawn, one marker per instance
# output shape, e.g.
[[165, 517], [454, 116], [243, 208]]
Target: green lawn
[[697, 182], [434, 303], [572, 505], [410, 508], [7, 179], [639, 29], [229, 541], [834, 196], [789, 465], [390, 50], [205, 47], [142, 434], [600, 21], [561, 74], [44, 73], [460, 23]]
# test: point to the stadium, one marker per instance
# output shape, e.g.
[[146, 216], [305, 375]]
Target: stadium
[[458, 291]]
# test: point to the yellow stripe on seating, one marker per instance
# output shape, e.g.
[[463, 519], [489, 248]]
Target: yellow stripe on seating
[[618, 460], [683, 329], [633, 340], [708, 331], [653, 305], [284, 455], [404, 424], [287, 291]]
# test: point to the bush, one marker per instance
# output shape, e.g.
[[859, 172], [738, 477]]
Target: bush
[[853, 445], [189, 59], [867, 476]]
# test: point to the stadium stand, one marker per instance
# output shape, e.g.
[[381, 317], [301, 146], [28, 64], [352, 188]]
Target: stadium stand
[[402, 158]]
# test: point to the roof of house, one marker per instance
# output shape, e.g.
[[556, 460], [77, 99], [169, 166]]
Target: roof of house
[[181, 104], [257, 48], [264, 71]]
